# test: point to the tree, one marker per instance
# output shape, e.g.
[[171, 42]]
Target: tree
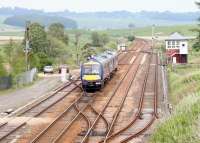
[[18, 60], [9, 48], [14, 57], [38, 38], [99, 40], [43, 60], [58, 30], [104, 39], [96, 39], [112, 45], [39, 44], [2, 69], [131, 38], [196, 46], [87, 51], [43, 19], [58, 50]]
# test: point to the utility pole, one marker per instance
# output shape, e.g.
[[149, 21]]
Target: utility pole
[[77, 38], [153, 30], [27, 46]]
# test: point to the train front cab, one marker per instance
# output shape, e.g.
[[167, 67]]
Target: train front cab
[[91, 76]]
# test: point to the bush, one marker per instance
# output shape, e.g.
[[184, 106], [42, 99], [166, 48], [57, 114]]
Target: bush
[[131, 38], [196, 46], [44, 60], [2, 69]]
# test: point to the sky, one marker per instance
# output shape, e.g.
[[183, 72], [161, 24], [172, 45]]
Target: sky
[[103, 5]]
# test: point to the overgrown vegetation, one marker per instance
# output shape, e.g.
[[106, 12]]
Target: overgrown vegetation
[[181, 127], [196, 46], [54, 45], [184, 94]]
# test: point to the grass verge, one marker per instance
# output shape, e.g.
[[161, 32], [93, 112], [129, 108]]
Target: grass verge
[[184, 93], [181, 126]]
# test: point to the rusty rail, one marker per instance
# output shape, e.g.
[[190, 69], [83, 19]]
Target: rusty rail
[[108, 101], [154, 114], [140, 106], [36, 139]]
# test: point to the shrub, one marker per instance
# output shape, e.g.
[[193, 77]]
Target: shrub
[[2, 69], [131, 38]]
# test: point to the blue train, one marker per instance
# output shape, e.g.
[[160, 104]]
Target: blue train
[[98, 69]]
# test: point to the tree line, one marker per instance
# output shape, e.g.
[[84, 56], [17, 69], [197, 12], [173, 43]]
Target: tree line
[[196, 45], [51, 45], [20, 20]]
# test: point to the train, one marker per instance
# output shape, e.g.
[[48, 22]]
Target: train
[[98, 69]]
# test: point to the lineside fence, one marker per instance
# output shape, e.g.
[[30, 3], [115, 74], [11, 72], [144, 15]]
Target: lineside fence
[[19, 80], [25, 78], [5, 82]]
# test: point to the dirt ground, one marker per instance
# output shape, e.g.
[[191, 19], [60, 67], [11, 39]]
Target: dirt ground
[[19, 97]]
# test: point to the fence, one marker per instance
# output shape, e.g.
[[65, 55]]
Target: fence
[[5, 82], [26, 77]]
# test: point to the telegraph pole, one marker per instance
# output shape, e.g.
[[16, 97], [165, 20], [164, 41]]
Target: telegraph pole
[[27, 46], [153, 30], [77, 38]]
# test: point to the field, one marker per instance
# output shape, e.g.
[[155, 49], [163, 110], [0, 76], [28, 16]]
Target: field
[[6, 30], [145, 31]]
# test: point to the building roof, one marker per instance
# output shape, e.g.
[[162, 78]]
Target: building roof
[[176, 36]]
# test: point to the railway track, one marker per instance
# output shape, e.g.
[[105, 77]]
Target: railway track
[[154, 114], [117, 95], [85, 118], [79, 113], [60, 124], [139, 114], [127, 55], [10, 126]]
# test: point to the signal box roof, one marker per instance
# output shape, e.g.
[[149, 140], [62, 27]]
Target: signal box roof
[[176, 36]]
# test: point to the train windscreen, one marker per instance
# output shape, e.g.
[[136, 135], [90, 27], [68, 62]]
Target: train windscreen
[[91, 69]]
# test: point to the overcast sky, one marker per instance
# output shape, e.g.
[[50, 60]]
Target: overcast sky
[[103, 5]]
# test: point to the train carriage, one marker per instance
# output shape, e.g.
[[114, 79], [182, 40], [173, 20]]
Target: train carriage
[[98, 69]]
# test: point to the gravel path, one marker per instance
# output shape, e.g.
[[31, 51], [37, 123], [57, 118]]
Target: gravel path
[[21, 97]]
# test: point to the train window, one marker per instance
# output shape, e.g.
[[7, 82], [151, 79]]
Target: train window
[[91, 69]]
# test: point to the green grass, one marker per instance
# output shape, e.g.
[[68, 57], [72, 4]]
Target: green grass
[[146, 31], [184, 93], [181, 126], [167, 30], [183, 81]]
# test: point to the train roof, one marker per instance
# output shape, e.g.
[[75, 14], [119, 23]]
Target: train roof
[[105, 57], [91, 63]]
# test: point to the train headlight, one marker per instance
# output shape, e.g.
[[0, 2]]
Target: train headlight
[[98, 83]]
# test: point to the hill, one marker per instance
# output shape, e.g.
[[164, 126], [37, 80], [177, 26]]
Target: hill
[[122, 19], [113, 20], [20, 20]]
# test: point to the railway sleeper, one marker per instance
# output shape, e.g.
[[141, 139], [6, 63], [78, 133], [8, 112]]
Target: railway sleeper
[[94, 133]]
